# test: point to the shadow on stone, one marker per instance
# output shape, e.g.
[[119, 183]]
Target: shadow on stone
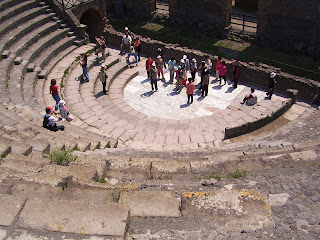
[[230, 90], [217, 87], [147, 94], [144, 81], [185, 105], [100, 94]]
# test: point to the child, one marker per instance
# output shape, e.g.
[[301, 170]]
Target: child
[[64, 113], [54, 90]]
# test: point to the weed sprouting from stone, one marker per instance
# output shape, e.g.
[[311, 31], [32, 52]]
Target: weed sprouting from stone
[[3, 155], [212, 175], [108, 145], [61, 157], [101, 179], [238, 174], [98, 146]]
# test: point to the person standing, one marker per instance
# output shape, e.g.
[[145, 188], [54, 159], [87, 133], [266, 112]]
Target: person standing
[[205, 83], [137, 46], [159, 64], [217, 67], [193, 68], [208, 63], [203, 67], [103, 78], [126, 43], [272, 82], [163, 55], [153, 77], [101, 47], [179, 77], [236, 69], [190, 91], [171, 66], [186, 66], [148, 65], [54, 90], [84, 65], [223, 72]]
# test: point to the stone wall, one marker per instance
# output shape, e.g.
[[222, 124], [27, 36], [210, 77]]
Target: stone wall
[[250, 73], [141, 9], [210, 14], [247, 3], [290, 24]]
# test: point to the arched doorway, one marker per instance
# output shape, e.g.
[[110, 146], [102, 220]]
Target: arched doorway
[[94, 23]]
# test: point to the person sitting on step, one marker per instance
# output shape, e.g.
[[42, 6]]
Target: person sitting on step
[[251, 98], [49, 122]]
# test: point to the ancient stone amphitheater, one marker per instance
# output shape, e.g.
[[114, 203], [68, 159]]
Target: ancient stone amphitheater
[[138, 176]]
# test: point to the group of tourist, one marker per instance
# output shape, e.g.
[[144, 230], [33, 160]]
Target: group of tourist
[[155, 71], [52, 114]]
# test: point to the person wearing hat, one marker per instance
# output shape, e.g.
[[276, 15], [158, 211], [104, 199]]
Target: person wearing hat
[[272, 82], [171, 66], [64, 113], [126, 43], [163, 55], [49, 122], [193, 68], [103, 78], [186, 66], [159, 65], [153, 76]]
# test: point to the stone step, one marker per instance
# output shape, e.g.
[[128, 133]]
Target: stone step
[[44, 42], [16, 9], [24, 42], [39, 87], [17, 20], [107, 220], [5, 4], [26, 28]]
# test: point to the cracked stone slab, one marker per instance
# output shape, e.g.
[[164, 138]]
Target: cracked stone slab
[[9, 208], [75, 217], [152, 203]]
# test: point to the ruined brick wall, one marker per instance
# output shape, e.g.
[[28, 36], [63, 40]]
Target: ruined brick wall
[[290, 24], [210, 14], [98, 5], [141, 9]]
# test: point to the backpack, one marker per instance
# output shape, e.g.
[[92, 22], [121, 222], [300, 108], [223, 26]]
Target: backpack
[[45, 122]]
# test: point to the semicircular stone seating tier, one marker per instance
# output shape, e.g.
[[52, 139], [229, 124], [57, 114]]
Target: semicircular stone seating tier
[[35, 42], [141, 119]]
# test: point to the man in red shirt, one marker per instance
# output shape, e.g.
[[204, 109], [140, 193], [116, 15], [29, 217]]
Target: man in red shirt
[[148, 66], [190, 91]]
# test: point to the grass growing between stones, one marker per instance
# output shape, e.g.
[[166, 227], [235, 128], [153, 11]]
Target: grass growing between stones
[[108, 145], [61, 157], [101, 179], [212, 175], [238, 174], [3, 155]]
